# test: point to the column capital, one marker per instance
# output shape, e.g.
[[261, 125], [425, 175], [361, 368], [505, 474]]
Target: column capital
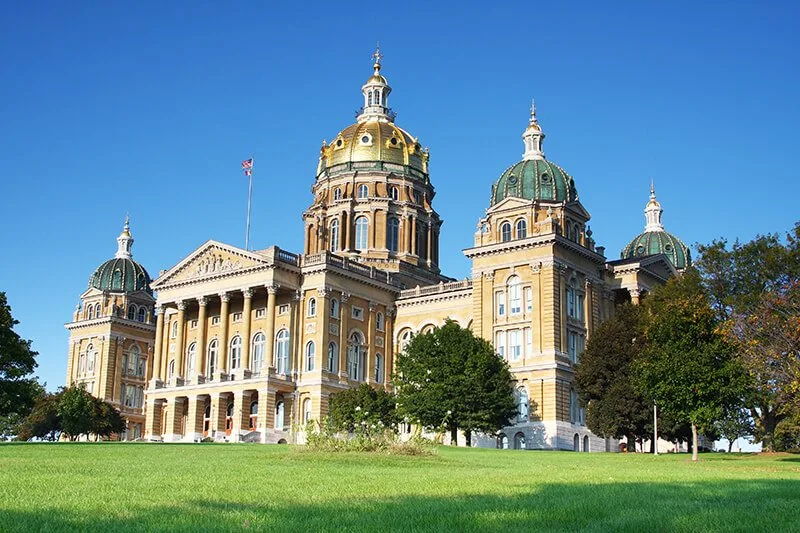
[[248, 292], [159, 308], [298, 294], [391, 311], [345, 296], [181, 305], [272, 289], [202, 301], [372, 306], [324, 292], [224, 296]]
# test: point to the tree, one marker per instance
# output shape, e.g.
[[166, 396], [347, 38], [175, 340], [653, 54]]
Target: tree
[[753, 288], [43, 420], [614, 408], [106, 419], [451, 378], [76, 411], [688, 368], [362, 404], [735, 423], [18, 389]]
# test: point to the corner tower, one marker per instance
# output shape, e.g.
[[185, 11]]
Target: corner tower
[[112, 334], [372, 193]]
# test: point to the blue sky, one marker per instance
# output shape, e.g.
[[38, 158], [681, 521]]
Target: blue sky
[[149, 109]]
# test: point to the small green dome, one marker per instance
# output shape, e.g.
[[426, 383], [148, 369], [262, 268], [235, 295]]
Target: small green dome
[[659, 242], [535, 179], [121, 274]]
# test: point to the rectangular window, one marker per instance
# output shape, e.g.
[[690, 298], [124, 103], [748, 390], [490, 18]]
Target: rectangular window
[[572, 346], [193, 324], [528, 341], [214, 320], [356, 313], [124, 364], [261, 313], [514, 345], [528, 299], [500, 343], [579, 307], [500, 298], [571, 302], [515, 299], [237, 317], [283, 309]]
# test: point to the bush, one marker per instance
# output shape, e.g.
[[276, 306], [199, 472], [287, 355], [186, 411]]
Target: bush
[[374, 437]]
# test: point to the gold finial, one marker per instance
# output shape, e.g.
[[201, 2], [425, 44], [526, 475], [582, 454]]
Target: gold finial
[[533, 111], [377, 56]]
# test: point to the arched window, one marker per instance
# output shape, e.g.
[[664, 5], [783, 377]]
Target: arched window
[[259, 347], [522, 229], [171, 369], [362, 227], [90, 312], [586, 443], [356, 354], [576, 443], [90, 359], [502, 442], [393, 193], [191, 351], [333, 245], [312, 307], [505, 232], [311, 351], [279, 421], [282, 352], [82, 366], [306, 410], [97, 311], [379, 368], [337, 194], [142, 314], [131, 312], [522, 404], [174, 329], [383, 99], [363, 191], [519, 441], [514, 295], [333, 357], [253, 416], [380, 324], [369, 98], [213, 351], [334, 308], [133, 361], [235, 356], [393, 235], [405, 338]]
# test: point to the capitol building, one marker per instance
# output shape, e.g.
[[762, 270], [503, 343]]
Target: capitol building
[[248, 345]]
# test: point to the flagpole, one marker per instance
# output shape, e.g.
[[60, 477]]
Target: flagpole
[[249, 195]]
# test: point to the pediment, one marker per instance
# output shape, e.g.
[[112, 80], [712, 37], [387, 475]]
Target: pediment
[[210, 260], [578, 208], [659, 265], [512, 202]]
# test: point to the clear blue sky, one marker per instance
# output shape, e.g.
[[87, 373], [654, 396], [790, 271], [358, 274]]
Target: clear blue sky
[[149, 109]]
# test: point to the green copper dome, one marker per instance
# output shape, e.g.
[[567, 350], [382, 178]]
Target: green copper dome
[[535, 179], [121, 274], [659, 242]]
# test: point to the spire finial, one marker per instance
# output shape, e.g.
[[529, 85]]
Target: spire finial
[[533, 111], [652, 188], [377, 56], [125, 240], [127, 226], [653, 211]]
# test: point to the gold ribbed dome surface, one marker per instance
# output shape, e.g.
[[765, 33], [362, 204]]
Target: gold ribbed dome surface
[[375, 141]]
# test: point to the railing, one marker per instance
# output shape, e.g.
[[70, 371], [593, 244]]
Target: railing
[[327, 258], [439, 288], [287, 257], [374, 165]]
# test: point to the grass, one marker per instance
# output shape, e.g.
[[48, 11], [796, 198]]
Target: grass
[[175, 487]]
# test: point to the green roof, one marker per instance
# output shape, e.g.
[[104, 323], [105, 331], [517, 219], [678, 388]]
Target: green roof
[[121, 275], [535, 179], [659, 242]]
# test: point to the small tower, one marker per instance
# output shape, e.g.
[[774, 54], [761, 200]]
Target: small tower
[[653, 211], [376, 94], [112, 335], [533, 137]]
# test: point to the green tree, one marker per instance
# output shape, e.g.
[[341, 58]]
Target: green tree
[[76, 411], [18, 388], [688, 368], [614, 408], [450, 378], [106, 419], [362, 404], [735, 423], [43, 420], [752, 287]]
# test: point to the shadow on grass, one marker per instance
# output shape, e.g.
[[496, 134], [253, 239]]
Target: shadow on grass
[[755, 505]]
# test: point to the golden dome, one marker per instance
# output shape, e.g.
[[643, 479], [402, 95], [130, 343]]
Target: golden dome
[[374, 141], [376, 78]]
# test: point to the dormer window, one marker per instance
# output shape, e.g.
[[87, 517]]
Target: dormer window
[[366, 139], [363, 191], [337, 193], [505, 232]]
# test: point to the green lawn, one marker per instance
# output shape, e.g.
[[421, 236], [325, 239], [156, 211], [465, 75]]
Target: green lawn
[[175, 487]]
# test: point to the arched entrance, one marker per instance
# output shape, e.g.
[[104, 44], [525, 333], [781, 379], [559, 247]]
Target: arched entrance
[[576, 443], [229, 418]]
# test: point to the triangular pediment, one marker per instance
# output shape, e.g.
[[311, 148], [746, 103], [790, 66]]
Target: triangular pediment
[[209, 260], [512, 202], [578, 208], [659, 265]]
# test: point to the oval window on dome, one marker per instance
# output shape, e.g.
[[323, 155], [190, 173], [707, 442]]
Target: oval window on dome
[[393, 141], [668, 248], [512, 180], [365, 139], [545, 178], [339, 143], [640, 250]]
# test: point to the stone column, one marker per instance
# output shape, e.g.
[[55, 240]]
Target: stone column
[[200, 353], [388, 343], [179, 355], [348, 235], [219, 406], [269, 332], [157, 355], [165, 347], [636, 296], [323, 320], [246, 318], [152, 425], [223, 331], [194, 419], [588, 309], [412, 242], [430, 243], [266, 413], [344, 313], [173, 432], [369, 364], [241, 414], [117, 381]]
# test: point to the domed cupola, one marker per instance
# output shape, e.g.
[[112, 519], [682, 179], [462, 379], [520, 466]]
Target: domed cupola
[[374, 140], [656, 240], [122, 273], [534, 178]]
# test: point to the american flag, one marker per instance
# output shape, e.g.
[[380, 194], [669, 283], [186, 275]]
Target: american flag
[[247, 166]]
